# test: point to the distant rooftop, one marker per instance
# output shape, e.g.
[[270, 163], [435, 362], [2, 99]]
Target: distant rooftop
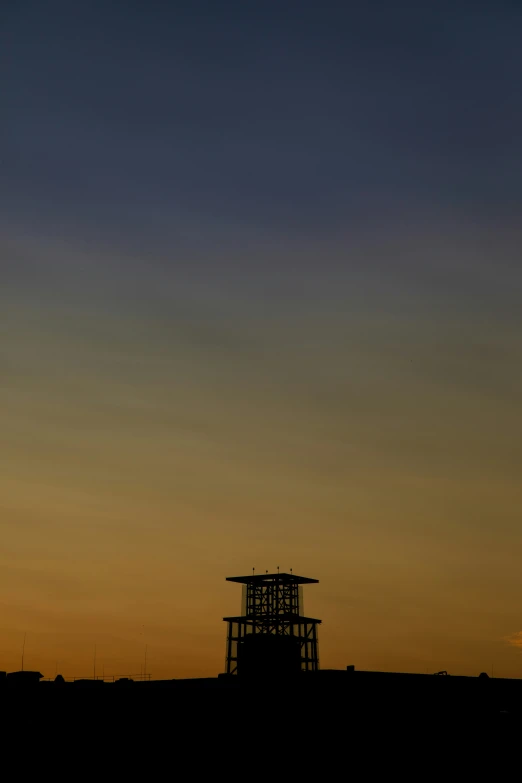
[[280, 577]]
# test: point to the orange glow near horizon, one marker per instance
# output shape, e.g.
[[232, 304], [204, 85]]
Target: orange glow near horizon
[[144, 460]]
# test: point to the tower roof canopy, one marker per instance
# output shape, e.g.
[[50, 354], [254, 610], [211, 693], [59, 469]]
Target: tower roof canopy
[[287, 618], [253, 579]]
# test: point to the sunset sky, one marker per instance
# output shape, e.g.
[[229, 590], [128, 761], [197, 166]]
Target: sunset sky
[[260, 306]]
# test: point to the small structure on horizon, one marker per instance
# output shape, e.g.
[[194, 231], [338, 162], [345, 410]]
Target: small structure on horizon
[[272, 637], [23, 677]]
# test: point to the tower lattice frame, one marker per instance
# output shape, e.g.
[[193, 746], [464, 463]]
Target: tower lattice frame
[[272, 606]]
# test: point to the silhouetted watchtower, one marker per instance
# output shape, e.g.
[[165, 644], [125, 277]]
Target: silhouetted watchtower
[[272, 637]]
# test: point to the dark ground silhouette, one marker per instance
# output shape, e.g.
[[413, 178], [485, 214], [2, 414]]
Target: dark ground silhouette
[[277, 708]]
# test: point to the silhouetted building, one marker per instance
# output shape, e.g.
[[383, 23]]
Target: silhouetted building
[[24, 678], [272, 637]]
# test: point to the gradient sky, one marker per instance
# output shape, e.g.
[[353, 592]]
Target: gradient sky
[[260, 305]]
